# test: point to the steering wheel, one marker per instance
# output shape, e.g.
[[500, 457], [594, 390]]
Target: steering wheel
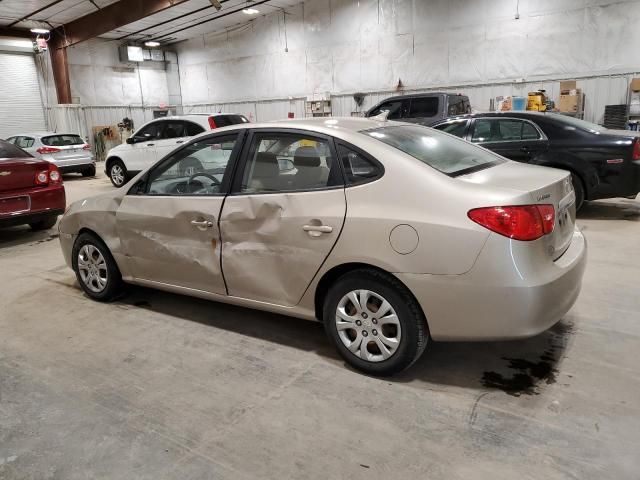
[[203, 174]]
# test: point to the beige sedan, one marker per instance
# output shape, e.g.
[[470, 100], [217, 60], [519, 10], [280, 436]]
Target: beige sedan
[[391, 234]]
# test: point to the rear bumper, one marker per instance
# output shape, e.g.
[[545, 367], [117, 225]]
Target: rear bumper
[[490, 303], [45, 202], [75, 165]]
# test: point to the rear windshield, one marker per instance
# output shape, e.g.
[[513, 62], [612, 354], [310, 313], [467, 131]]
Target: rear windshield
[[226, 120], [62, 140], [577, 123], [8, 150], [443, 152]]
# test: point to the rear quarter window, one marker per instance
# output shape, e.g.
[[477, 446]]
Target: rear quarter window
[[226, 120], [62, 140]]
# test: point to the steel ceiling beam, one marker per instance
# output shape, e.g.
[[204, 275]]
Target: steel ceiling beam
[[28, 16], [110, 18], [15, 32], [229, 12], [198, 10]]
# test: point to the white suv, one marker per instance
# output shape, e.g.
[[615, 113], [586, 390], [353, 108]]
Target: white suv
[[156, 139]]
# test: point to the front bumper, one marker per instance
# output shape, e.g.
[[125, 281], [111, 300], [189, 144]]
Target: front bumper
[[494, 302]]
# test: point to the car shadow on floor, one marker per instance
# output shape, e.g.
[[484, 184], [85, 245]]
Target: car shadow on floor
[[618, 209], [516, 367], [22, 234]]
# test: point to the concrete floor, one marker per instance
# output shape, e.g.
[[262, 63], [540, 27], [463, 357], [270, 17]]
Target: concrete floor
[[158, 386]]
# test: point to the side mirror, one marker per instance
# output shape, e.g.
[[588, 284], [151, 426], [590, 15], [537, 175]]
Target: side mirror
[[131, 140]]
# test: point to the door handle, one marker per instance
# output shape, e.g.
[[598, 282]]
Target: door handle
[[317, 230], [202, 223], [525, 149], [180, 141], [150, 144]]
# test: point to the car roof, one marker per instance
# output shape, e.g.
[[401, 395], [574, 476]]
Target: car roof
[[42, 134], [512, 113]]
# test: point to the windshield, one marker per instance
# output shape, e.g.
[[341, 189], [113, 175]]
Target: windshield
[[576, 122], [443, 152]]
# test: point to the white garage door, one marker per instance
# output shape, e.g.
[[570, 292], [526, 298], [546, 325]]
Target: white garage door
[[20, 102]]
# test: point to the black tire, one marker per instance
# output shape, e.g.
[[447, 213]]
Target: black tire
[[114, 174], [413, 325], [45, 224], [113, 278], [578, 188], [89, 172]]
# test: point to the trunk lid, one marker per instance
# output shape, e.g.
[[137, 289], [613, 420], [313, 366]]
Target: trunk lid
[[19, 173], [68, 146], [535, 185]]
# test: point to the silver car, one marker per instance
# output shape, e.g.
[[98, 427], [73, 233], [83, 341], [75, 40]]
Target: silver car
[[390, 233], [68, 151]]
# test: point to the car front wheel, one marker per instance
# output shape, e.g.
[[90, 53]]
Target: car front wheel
[[375, 323], [117, 173], [95, 268]]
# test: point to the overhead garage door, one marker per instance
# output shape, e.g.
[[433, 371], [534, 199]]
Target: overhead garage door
[[20, 102]]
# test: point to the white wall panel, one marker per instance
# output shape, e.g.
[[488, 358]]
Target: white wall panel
[[344, 46]]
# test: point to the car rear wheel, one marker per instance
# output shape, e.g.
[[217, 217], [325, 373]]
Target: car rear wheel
[[45, 224], [578, 188], [95, 268], [117, 173], [89, 172], [375, 323]]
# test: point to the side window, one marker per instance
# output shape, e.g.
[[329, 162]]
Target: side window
[[510, 130], [196, 169], [459, 105], [482, 129], [11, 140], [456, 128], [529, 132], [174, 129], [357, 167], [424, 107], [24, 142], [393, 107], [151, 131], [289, 162], [193, 129]]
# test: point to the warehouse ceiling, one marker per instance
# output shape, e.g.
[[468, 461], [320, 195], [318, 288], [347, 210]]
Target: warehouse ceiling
[[183, 21]]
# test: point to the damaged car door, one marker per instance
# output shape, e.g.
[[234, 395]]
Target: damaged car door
[[168, 222], [283, 216]]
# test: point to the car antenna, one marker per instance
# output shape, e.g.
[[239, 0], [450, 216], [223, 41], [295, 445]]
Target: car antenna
[[381, 117]]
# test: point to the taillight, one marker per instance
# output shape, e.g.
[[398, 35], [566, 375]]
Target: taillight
[[86, 147], [636, 149], [54, 174], [44, 150], [520, 222], [212, 123], [42, 178]]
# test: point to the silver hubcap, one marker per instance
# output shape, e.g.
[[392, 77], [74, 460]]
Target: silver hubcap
[[368, 325], [117, 175], [92, 268]]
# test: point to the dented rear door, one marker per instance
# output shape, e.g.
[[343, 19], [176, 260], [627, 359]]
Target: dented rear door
[[285, 217]]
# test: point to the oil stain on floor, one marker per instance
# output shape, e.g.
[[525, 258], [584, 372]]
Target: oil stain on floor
[[530, 374]]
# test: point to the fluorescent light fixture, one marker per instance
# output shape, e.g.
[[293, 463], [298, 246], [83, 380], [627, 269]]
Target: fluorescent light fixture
[[152, 44], [40, 31], [250, 11]]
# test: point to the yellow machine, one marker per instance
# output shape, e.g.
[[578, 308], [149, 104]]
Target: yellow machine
[[537, 101]]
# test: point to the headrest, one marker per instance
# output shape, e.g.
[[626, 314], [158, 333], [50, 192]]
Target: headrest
[[306, 157], [266, 165]]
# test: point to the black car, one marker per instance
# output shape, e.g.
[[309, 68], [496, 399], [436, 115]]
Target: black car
[[423, 108], [604, 163]]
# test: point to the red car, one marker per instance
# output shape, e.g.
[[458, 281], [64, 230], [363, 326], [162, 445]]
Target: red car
[[31, 190]]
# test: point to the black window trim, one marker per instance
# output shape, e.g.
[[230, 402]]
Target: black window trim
[[227, 176], [366, 156], [247, 150], [469, 137]]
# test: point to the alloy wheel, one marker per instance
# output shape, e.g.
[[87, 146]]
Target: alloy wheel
[[92, 268], [368, 325], [117, 174]]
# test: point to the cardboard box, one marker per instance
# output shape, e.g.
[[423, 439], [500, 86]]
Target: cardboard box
[[571, 103], [566, 86], [635, 84]]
